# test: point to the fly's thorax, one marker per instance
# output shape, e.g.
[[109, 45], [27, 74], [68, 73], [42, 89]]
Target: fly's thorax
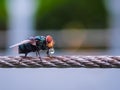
[[41, 43]]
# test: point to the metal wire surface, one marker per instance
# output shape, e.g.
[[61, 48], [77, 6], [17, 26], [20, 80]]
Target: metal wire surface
[[60, 62]]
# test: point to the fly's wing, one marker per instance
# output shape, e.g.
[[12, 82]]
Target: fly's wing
[[15, 49], [15, 46], [22, 42]]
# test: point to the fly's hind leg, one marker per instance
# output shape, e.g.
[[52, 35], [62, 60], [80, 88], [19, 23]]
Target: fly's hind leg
[[23, 57], [26, 55]]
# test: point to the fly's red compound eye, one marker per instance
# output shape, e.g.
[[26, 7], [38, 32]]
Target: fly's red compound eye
[[49, 38]]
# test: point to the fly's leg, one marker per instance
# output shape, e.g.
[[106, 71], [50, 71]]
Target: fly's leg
[[48, 54], [23, 57], [26, 55], [38, 54]]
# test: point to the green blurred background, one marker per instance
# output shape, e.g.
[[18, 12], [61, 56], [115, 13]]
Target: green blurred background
[[64, 14], [3, 15]]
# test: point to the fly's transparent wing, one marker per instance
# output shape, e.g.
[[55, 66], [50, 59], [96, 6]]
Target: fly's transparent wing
[[22, 42]]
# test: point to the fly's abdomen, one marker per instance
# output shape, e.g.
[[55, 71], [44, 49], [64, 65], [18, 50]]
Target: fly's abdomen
[[26, 48]]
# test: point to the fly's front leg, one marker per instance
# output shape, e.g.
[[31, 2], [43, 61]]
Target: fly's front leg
[[48, 53]]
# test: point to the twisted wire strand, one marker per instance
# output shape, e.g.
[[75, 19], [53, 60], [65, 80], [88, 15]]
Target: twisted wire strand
[[60, 62]]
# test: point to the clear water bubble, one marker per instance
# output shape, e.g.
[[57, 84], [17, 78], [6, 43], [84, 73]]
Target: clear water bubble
[[51, 51]]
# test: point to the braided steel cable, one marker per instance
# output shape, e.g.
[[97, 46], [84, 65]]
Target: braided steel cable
[[60, 62]]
